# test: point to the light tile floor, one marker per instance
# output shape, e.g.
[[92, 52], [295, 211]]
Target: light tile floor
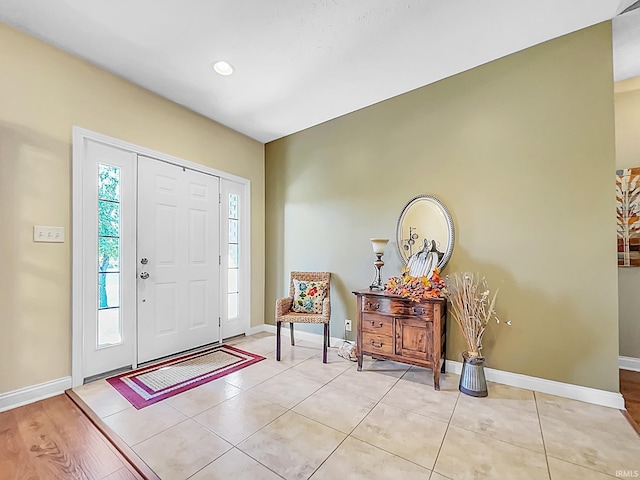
[[300, 419]]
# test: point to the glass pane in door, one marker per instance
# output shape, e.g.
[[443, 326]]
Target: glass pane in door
[[233, 268], [109, 331]]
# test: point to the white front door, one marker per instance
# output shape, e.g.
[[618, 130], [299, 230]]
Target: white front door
[[178, 259]]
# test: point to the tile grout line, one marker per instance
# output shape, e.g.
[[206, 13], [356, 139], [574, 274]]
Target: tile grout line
[[296, 413], [501, 440], [211, 431], [219, 456], [255, 459], [544, 444], [353, 429], [233, 447], [236, 446], [435, 461], [200, 425], [349, 435], [378, 402], [188, 417], [547, 455], [375, 403], [291, 409], [244, 439]]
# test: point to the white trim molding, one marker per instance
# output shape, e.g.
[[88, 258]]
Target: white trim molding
[[26, 395], [629, 363], [300, 334], [551, 387], [259, 329]]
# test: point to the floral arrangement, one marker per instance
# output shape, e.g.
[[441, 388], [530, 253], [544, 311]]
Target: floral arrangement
[[472, 307], [416, 288]]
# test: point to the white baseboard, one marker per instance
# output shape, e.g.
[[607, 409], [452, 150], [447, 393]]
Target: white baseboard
[[31, 394], [567, 390], [629, 363], [254, 330], [309, 336]]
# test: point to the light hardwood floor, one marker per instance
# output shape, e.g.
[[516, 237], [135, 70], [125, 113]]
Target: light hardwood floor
[[53, 439], [630, 389]]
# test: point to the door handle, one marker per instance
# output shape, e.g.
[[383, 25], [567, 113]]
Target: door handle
[[144, 275]]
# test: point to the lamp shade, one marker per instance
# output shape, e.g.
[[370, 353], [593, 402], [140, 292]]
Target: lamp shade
[[378, 245]]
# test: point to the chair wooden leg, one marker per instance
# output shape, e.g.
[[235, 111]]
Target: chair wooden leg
[[278, 325], [326, 343], [328, 336], [293, 342]]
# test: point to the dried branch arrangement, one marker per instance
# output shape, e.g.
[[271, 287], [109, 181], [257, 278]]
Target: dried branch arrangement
[[471, 307]]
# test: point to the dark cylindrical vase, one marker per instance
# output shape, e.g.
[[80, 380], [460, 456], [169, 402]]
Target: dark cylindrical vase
[[472, 381]]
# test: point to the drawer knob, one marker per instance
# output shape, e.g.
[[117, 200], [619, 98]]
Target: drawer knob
[[377, 345], [373, 324], [373, 306]]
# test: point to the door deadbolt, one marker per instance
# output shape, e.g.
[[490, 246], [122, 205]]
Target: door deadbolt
[[144, 261]]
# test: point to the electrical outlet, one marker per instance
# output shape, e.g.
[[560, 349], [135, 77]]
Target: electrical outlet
[[347, 325]]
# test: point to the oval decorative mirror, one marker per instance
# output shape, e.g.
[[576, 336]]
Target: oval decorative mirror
[[425, 224]]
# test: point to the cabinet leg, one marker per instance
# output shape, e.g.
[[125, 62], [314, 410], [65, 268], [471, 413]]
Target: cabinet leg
[[436, 379], [359, 362]]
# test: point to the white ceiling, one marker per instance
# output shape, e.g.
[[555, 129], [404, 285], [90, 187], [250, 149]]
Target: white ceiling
[[301, 62], [626, 45]]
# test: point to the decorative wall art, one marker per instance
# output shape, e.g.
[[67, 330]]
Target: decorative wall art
[[628, 216]]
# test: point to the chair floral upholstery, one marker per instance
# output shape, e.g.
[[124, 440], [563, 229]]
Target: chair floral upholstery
[[285, 313]]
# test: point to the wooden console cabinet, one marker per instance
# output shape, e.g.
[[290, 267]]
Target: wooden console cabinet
[[391, 327]]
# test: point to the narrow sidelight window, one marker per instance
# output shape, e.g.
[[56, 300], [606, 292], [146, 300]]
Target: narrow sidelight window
[[233, 268], [109, 331]]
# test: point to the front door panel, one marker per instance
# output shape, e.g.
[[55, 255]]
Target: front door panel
[[178, 238]]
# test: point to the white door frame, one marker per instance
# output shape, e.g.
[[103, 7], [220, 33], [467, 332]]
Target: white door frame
[[79, 218]]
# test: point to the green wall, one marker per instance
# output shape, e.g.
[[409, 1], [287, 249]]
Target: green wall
[[521, 150]]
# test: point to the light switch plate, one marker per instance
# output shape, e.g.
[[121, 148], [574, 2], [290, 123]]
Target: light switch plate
[[43, 233]]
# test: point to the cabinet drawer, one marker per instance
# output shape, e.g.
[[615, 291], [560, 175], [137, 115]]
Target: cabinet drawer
[[382, 305], [372, 344], [424, 311], [376, 324], [375, 304], [396, 306]]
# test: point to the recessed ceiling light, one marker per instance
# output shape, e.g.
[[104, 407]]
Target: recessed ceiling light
[[223, 68]]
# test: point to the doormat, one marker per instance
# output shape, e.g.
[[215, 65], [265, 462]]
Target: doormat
[[154, 383]]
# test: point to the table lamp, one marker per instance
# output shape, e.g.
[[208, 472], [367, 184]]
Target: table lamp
[[378, 245]]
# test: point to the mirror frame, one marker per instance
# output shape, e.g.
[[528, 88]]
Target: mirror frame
[[451, 233]]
